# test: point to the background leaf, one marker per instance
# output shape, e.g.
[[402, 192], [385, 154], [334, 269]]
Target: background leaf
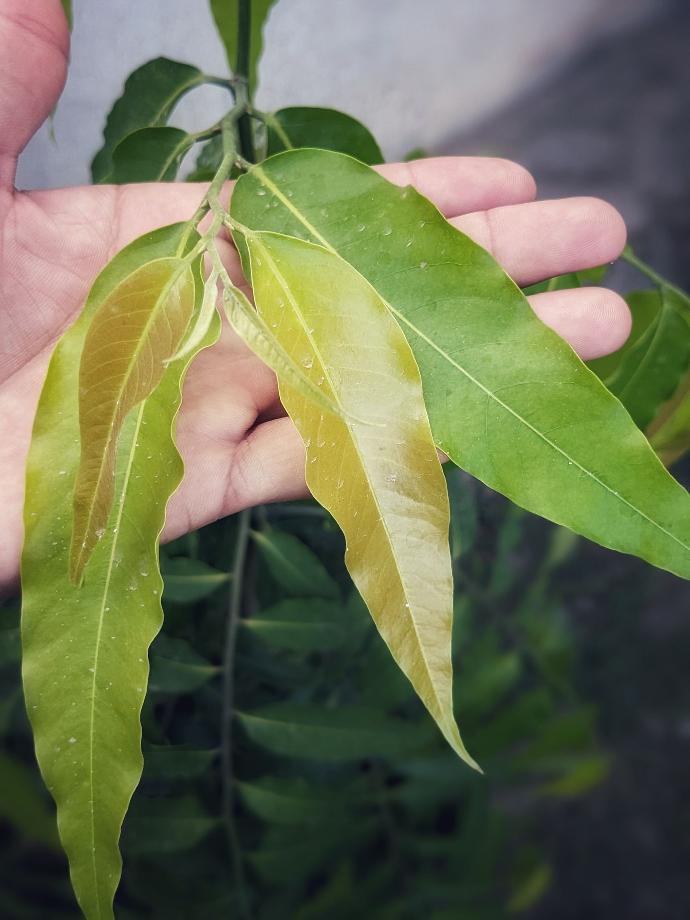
[[305, 126], [651, 368], [226, 14], [297, 570], [300, 625], [508, 400], [148, 98], [189, 580], [149, 155], [85, 649], [342, 734]]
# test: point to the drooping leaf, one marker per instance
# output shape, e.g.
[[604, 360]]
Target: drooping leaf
[[304, 126], [297, 570], [149, 95], [134, 330], [301, 625], [189, 580], [321, 733], [226, 14], [85, 649], [649, 373], [177, 668], [508, 400], [149, 155], [380, 478]]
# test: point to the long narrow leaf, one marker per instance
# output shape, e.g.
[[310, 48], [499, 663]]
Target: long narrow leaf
[[85, 664], [381, 481]]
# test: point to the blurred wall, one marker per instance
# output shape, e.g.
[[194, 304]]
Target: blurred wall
[[415, 72]]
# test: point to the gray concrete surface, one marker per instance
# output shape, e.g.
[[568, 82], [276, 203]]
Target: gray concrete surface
[[415, 72]]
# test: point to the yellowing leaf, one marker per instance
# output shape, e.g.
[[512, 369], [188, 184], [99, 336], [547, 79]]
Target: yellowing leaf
[[379, 477], [136, 329]]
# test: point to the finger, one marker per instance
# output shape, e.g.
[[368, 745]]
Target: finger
[[545, 238], [454, 184], [594, 321], [268, 466], [457, 185], [34, 44]]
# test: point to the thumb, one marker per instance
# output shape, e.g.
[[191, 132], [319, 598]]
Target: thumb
[[34, 44]]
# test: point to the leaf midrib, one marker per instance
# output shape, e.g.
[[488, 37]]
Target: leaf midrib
[[99, 632], [258, 171]]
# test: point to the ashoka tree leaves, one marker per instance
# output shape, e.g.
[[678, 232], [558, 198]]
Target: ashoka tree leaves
[[149, 155], [135, 329], [379, 477], [650, 369], [147, 100], [85, 664], [305, 126], [227, 15], [508, 400]]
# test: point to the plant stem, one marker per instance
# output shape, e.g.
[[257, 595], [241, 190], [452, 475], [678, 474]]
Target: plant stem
[[630, 257], [227, 709], [242, 89]]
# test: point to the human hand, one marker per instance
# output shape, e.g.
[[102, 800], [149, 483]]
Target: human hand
[[238, 446]]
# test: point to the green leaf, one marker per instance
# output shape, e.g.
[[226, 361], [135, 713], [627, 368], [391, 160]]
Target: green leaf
[[177, 668], [24, 804], [649, 373], [339, 735], [569, 280], [67, 7], [148, 98], [149, 155], [464, 513], [174, 762], [581, 778], [530, 887], [508, 400], [227, 14], [294, 566], [287, 801], [380, 478], [670, 432], [303, 126], [134, 330], [190, 580], [162, 826], [85, 649], [304, 625]]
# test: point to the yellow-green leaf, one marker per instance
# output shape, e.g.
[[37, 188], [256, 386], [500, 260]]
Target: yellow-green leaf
[[135, 330], [85, 664], [380, 477]]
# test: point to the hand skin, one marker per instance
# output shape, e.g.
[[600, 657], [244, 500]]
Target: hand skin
[[238, 447]]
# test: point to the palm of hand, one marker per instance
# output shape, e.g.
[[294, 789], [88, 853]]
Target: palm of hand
[[238, 447]]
